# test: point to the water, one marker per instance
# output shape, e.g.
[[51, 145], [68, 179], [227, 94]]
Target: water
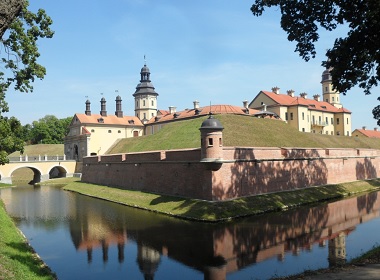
[[86, 238]]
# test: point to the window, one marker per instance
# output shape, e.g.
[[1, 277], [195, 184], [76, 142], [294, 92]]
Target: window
[[327, 132], [286, 116], [326, 89], [313, 119], [291, 116], [332, 120], [337, 120], [303, 116], [327, 120], [137, 104], [144, 115], [152, 102], [92, 130], [348, 133], [109, 131], [143, 102], [333, 98], [119, 131], [332, 132], [220, 142], [307, 118], [320, 119], [347, 120], [210, 142], [327, 100], [338, 133], [303, 129]]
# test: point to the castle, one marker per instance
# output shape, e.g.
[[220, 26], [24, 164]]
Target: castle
[[94, 134]]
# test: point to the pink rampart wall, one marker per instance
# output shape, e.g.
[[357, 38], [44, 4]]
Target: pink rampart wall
[[244, 171]]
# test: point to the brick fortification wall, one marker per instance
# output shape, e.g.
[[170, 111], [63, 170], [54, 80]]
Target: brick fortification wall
[[242, 172]]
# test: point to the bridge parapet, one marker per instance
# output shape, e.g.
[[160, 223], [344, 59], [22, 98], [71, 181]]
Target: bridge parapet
[[33, 158]]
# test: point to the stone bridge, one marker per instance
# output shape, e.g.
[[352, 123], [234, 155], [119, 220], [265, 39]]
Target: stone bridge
[[43, 167]]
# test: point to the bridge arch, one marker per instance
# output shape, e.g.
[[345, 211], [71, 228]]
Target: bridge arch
[[57, 171], [36, 173]]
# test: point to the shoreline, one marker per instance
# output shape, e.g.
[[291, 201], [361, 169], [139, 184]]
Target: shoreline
[[222, 211]]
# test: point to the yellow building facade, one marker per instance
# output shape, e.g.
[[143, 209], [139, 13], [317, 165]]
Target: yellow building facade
[[315, 115]]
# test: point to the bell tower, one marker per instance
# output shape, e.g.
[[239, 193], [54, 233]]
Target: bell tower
[[329, 95], [145, 97]]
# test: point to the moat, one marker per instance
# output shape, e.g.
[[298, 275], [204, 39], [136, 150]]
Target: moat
[[86, 238]]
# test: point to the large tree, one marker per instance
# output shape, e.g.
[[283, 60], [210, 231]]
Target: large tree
[[20, 30], [354, 59], [48, 130]]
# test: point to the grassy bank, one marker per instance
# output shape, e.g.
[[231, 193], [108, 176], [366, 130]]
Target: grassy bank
[[17, 259], [256, 133], [2, 185], [193, 209]]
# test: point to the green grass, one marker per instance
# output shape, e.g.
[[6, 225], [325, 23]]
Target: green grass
[[41, 149], [17, 259], [239, 131], [2, 185], [194, 209]]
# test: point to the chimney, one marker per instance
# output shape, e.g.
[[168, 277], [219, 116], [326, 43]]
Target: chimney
[[88, 110], [364, 127], [172, 109], [119, 112], [290, 92], [196, 104], [303, 95], [276, 90], [316, 97], [103, 111], [375, 129], [245, 104]]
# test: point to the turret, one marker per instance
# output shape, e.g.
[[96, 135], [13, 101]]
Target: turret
[[211, 141], [329, 95], [145, 97]]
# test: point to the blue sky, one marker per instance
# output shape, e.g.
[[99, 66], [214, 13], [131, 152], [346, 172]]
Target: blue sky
[[211, 51]]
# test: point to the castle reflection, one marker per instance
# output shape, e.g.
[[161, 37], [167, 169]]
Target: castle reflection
[[218, 249]]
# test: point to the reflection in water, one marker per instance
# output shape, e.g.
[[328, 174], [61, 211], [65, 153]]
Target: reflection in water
[[217, 251]]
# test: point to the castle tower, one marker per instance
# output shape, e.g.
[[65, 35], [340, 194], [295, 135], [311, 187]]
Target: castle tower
[[329, 95], [337, 250], [211, 140], [145, 97]]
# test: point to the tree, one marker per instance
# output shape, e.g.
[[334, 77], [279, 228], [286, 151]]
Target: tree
[[353, 60], [10, 140], [49, 130], [20, 30]]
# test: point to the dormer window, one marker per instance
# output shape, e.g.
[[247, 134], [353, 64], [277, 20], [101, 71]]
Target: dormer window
[[131, 122], [100, 120]]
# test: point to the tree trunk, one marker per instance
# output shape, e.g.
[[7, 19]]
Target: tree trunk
[[9, 10]]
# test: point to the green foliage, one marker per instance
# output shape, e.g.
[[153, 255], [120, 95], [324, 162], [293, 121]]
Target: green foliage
[[48, 130], [20, 50], [355, 59], [19, 54], [10, 141]]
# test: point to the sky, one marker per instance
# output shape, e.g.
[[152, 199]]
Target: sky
[[213, 51]]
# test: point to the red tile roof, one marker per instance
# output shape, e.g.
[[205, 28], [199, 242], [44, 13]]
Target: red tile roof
[[202, 111], [109, 120], [369, 133], [312, 104]]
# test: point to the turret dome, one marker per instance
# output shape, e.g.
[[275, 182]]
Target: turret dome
[[211, 123]]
